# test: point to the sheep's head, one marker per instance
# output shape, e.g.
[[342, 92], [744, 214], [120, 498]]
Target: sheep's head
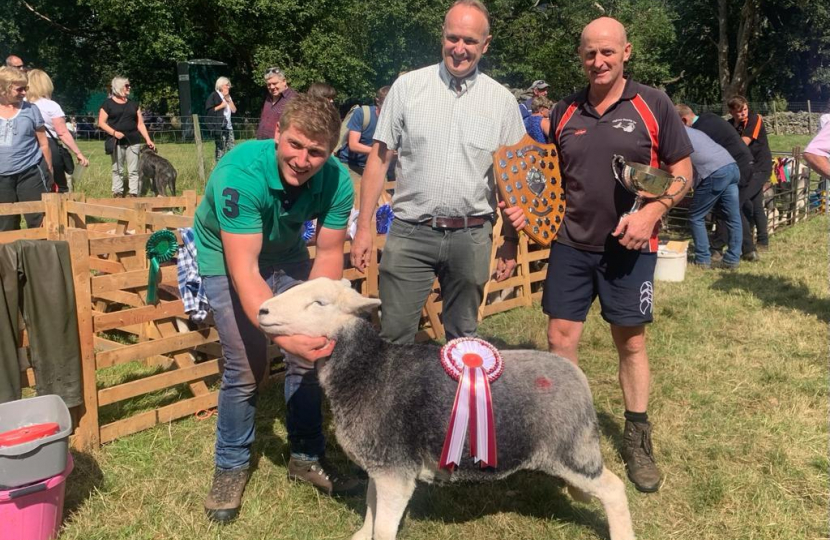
[[320, 307]]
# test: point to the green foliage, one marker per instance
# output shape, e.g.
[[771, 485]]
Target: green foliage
[[358, 46]]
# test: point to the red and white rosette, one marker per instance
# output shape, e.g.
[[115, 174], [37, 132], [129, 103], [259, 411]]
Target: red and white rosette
[[474, 363]]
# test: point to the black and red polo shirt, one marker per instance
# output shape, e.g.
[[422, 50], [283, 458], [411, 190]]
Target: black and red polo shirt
[[642, 126], [755, 129]]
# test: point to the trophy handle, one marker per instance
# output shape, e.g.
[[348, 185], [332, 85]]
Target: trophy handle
[[682, 180], [618, 166]]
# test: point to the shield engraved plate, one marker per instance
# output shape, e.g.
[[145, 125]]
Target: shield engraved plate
[[528, 175]]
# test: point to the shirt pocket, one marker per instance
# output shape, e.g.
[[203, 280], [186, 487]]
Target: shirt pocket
[[480, 133]]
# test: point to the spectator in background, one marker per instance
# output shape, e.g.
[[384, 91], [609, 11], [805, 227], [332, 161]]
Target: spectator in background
[[278, 95], [25, 161], [750, 127], [716, 179], [121, 118], [323, 90], [538, 89], [15, 62], [538, 123], [40, 93], [361, 133], [817, 155], [219, 106]]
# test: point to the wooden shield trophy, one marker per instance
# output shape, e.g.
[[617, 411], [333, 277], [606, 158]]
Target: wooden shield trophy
[[528, 176]]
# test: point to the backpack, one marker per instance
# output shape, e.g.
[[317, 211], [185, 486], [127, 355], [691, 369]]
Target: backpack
[[344, 126]]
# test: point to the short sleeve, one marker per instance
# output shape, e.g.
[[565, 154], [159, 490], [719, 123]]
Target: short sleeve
[[237, 201], [820, 145], [390, 121], [755, 128], [356, 121], [338, 202], [37, 118], [673, 141]]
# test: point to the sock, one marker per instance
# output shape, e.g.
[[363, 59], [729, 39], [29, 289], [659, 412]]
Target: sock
[[639, 417]]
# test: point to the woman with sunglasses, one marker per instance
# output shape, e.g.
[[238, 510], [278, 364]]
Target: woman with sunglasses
[[121, 119], [278, 95], [25, 160]]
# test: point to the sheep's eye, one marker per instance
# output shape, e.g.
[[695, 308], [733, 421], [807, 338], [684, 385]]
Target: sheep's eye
[[317, 303]]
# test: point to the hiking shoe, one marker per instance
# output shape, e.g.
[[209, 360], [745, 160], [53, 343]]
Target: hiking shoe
[[225, 496], [723, 265], [752, 256], [716, 255], [762, 247], [322, 475], [639, 458]]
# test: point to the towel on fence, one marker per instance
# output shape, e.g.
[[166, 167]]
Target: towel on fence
[[37, 282], [190, 282]]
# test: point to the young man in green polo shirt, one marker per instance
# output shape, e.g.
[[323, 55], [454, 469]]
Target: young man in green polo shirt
[[250, 247]]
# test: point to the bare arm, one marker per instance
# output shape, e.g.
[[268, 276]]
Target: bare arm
[[60, 128], [328, 262], [371, 186], [242, 259], [818, 163], [43, 142], [635, 230], [143, 130], [356, 146]]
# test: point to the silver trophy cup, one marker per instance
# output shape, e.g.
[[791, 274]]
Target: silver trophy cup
[[646, 183]]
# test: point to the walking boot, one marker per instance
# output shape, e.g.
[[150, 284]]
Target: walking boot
[[752, 256], [322, 475], [225, 496], [639, 458]]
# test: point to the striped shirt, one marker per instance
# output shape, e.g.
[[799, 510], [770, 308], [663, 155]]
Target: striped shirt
[[445, 141]]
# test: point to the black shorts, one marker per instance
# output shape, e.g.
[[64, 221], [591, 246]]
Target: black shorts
[[623, 279]]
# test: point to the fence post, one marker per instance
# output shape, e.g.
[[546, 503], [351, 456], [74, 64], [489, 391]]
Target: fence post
[[200, 151], [809, 118], [774, 119]]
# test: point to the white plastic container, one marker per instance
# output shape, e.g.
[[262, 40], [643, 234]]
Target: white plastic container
[[671, 265]]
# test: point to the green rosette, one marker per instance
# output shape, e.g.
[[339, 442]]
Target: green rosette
[[161, 247]]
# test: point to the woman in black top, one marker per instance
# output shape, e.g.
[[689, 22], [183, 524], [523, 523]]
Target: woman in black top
[[121, 119]]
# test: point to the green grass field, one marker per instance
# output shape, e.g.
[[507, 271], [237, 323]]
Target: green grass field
[[739, 403]]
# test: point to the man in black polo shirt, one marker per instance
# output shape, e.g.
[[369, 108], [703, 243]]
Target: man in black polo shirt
[[599, 250], [750, 127], [722, 132]]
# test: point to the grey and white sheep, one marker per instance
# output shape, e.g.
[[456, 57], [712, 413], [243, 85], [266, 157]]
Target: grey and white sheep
[[391, 407]]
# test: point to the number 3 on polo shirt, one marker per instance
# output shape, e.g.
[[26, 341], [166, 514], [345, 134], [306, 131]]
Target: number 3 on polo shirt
[[231, 208]]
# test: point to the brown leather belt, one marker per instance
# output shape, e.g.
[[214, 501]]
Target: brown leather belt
[[462, 222]]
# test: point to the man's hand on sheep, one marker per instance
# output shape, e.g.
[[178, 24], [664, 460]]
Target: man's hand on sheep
[[306, 347]]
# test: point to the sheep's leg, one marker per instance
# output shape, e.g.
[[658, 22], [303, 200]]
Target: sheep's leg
[[365, 532], [393, 492], [610, 491]]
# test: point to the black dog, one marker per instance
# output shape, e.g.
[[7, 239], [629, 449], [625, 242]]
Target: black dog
[[159, 171]]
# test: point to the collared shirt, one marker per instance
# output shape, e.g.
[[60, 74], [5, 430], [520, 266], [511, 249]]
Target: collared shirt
[[245, 195], [708, 156], [445, 141], [19, 148], [820, 145], [720, 131], [272, 112], [642, 127]]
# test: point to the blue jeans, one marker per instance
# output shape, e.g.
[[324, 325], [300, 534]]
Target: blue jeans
[[720, 185], [244, 348]]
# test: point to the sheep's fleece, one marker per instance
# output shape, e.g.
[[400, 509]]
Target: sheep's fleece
[[391, 406]]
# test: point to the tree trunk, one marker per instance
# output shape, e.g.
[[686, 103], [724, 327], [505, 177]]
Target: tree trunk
[[735, 80]]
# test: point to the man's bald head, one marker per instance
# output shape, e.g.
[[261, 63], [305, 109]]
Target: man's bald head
[[13, 61], [604, 27]]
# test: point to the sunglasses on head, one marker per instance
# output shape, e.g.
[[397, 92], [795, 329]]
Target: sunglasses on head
[[273, 71]]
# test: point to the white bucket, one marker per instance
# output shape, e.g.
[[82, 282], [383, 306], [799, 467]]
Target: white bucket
[[671, 265]]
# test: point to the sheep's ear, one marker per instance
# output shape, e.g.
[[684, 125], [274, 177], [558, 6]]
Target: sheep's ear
[[354, 302]]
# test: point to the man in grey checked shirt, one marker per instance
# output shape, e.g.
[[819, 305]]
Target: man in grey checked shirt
[[445, 121]]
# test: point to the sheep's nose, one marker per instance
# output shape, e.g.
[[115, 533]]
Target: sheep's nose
[[263, 311]]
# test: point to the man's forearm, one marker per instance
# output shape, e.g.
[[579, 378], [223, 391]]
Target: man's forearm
[[820, 164], [329, 264], [371, 185], [252, 291]]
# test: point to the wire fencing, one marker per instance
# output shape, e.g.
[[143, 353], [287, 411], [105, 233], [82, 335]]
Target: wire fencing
[[164, 128]]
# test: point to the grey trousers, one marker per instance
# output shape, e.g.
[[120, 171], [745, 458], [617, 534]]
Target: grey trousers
[[27, 185], [125, 155], [413, 256]]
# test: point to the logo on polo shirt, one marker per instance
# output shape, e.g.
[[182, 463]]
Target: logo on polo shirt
[[625, 124], [579, 132]]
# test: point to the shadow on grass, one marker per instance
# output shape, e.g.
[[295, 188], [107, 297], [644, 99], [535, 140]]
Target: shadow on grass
[[610, 427], [776, 292], [84, 480]]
